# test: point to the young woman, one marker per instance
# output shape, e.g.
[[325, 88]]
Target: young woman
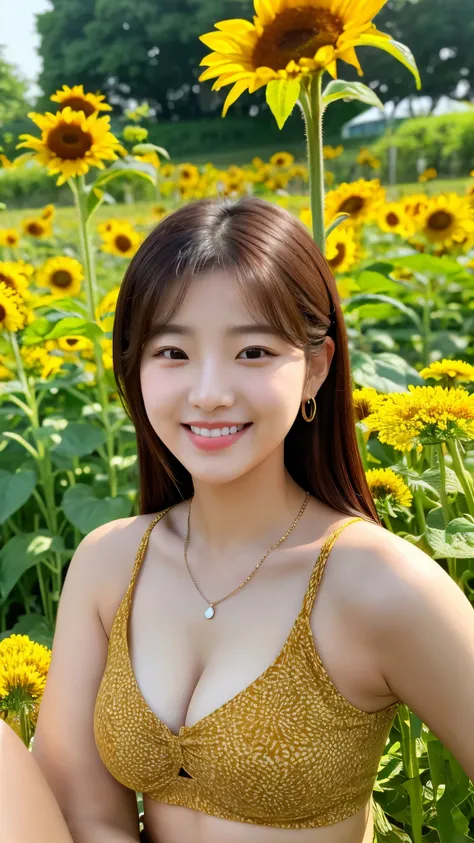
[[238, 651]]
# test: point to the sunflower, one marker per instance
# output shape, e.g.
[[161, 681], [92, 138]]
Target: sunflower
[[24, 666], [331, 152], [37, 227], [12, 275], [109, 225], [106, 307], [360, 199], [5, 162], [415, 203], [62, 275], [71, 143], [123, 240], [48, 212], [342, 249], [159, 211], [150, 158], [425, 415], [77, 100], [329, 178], [428, 175], [449, 372], [365, 401], [470, 194], [447, 219], [168, 170], [9, 237], [71, 344], [394, 219], [39, 362], [188, 175], [282, 159], [12, 309], [289, 39], [383, 483]]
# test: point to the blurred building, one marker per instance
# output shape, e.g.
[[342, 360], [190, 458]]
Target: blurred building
[[373, 122]]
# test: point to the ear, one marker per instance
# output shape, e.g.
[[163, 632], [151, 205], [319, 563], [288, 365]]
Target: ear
[[318, 368]]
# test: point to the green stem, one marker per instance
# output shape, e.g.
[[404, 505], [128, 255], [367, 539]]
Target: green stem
[[463, 476], [311, 104], [411, 765], [442, 492], [78, 188], [362, 447]]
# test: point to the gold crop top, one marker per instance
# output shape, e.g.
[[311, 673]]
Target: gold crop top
[[288, 751]]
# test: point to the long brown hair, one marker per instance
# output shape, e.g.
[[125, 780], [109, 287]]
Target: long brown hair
[[283, 277]]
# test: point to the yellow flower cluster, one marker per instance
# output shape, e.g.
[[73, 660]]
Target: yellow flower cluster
[[24, 666]]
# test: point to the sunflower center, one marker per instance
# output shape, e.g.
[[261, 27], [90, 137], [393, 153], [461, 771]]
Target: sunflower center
[[35, 228], [7, 280], [339, 257], [392, 218], [11, 239], [71, 341], [3, 313], [440, 220], [69, 141], [61, 278], [78, 104], [352, 205], [295, 34], [123, 242]]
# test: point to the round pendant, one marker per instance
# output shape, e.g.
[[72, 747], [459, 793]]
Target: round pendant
[[209, 613]]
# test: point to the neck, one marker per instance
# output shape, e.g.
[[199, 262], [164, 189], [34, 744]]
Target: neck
[[230, 518]]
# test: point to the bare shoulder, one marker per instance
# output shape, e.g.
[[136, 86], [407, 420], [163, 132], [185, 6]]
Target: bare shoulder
[[112, 550], [378, 568]]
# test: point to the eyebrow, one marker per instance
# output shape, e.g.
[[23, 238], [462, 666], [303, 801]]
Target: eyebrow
[[170, 328]]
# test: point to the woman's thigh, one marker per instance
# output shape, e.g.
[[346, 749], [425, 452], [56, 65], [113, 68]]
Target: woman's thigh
[[28, 807]]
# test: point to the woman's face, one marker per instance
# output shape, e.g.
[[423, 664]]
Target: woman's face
[[216, 372]]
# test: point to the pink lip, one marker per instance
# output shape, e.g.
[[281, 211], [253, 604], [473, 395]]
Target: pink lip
[[214, 443]]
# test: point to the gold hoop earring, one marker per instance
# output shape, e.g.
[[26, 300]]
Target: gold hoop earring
[[313, 412]]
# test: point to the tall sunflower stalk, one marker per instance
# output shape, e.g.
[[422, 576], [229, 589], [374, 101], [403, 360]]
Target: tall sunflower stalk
[[287, 49], [73, 141]]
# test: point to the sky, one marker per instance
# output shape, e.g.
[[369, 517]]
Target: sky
[[18, 37]]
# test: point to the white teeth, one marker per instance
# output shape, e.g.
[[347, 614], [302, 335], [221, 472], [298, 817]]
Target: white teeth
[[217, 431]]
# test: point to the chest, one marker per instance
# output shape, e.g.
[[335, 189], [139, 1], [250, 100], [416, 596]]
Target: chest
[[187, 666]]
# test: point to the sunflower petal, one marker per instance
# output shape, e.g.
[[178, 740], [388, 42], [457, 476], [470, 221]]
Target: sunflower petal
[[219, 43], [234, 94], [238, 25], [265, 11]]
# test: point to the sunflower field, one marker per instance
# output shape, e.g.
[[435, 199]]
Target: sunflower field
[[404, 266]]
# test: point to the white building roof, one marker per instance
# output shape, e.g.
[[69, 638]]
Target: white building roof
[[419, 107]]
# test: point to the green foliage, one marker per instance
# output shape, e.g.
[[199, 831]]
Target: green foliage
[[13, 88], [446, 142]]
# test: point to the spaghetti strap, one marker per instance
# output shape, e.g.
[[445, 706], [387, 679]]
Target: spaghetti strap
[[318, 570], [144, 544]]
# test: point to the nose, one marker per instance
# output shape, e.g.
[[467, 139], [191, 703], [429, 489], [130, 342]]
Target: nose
[[210, 386]]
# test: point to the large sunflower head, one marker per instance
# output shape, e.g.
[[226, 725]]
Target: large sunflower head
[[360, 199], [289, 39], [63, 276], [71, 143], [122, 240], [77, 100], [448, 219]]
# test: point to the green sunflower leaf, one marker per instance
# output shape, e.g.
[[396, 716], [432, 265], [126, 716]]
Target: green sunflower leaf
[[281, 95], [76, 326], [363, 298], [86, 511], [336, 221], [338, 89], [395, 48]]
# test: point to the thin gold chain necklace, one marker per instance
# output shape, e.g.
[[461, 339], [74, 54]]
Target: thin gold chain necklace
[[210, 612]]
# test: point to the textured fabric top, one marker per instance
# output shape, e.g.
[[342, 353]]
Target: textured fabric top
[[288, 751]]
